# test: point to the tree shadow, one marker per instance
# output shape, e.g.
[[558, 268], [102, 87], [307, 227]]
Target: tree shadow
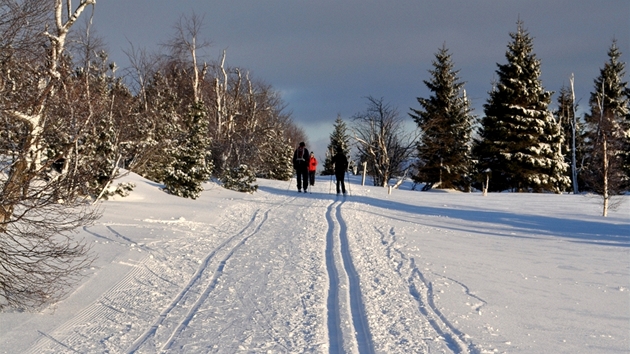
[[582, 231]]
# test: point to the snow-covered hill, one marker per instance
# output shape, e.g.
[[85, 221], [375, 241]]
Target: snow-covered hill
[[282, 272]]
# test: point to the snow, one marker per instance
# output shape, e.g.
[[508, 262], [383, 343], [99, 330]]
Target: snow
[[284, 272]]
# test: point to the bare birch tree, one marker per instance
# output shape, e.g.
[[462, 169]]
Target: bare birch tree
[[382, 141], [39, 208], [186, 43], [610, 105]]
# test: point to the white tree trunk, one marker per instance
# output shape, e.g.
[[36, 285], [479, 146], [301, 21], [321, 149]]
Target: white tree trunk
[[605, 195], [573, 147]]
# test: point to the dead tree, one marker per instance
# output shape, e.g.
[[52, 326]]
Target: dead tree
[[382, 141]]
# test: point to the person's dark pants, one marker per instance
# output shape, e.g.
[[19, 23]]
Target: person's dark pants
[[302, 179], [340, 181], [311, 177]]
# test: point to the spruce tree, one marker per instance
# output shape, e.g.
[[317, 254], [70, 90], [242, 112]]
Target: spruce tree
[[608, 128], [519, 140], [163, 103], [240, 179], [339, 138], [277, 156], [446, 124], [191, 164]]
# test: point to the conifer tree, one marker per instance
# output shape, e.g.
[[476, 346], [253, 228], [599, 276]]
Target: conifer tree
[[163, 103], [191, 164], [519, 140], [338, 138], [277, 156], [446, 124], [609, 129], [240, 179]]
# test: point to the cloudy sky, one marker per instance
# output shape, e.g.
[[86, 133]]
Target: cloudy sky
[[326, 56]]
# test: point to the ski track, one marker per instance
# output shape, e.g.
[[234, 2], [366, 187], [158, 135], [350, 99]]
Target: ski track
[[218, 272], [362, 338], [359, 318], [103, 312], [346, 316], [335, 337], [422, 291], [192, 288]]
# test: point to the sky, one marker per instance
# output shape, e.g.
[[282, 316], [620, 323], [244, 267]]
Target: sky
[[326, 57], [278, 271]]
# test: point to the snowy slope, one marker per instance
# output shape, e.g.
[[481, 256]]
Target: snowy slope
[[282, 272]]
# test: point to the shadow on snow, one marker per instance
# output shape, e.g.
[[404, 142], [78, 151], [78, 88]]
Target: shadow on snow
[[583, 231]]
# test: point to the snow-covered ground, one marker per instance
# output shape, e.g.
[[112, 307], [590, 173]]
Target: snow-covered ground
[[286, 272]]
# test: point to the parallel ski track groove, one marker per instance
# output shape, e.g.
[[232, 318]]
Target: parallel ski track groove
[[215, 279], [357, 308], [195, 278], [359, 318], [335, 337]]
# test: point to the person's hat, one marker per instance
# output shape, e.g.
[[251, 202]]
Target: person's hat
[[302, 144]]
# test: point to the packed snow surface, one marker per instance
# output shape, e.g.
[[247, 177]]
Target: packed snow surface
[[284, 272]]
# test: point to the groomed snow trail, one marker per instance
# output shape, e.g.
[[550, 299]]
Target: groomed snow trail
[[280, 273], [347, 322], [198, 288]]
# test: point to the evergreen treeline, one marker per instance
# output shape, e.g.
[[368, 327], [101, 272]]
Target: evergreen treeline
[[520, 144]]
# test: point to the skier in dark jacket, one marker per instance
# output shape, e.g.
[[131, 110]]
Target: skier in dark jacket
[[341, 165], [300, 164]]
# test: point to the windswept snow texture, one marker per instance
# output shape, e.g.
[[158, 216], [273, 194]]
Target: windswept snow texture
[[285, 272]]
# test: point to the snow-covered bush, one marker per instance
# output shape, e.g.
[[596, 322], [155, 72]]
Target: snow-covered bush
[[240, 179], [123, 189]]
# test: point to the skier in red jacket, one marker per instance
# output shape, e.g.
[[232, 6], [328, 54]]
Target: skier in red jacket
[[312, 167]]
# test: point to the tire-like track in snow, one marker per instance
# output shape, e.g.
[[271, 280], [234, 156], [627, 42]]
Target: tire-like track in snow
[[357, 309]]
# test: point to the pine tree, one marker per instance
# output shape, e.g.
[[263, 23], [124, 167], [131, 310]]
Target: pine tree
[[339, 138], [608, 128], [446, 125], [191, 165], [519, 141]]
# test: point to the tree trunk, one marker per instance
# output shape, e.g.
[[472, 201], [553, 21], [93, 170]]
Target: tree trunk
[[573, 147], [605, 171]]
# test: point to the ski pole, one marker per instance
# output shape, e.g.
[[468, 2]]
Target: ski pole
[[330, 185], [348, 179]]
